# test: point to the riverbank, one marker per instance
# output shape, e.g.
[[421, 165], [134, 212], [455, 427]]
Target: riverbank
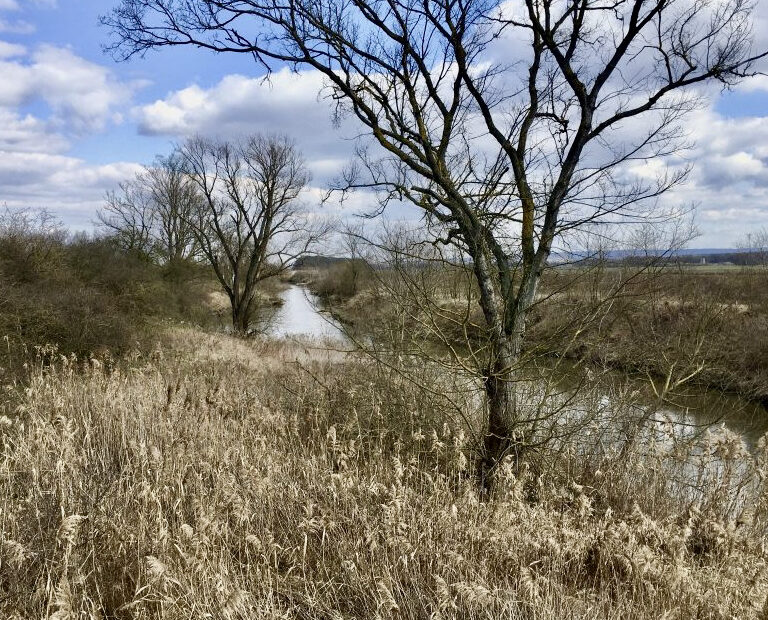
[[261, 478], [708, 325]]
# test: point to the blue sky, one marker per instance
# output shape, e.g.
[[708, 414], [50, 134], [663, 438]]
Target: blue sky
[[74, 123]]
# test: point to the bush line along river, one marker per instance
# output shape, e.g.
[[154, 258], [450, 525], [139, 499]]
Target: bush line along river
[[300, 316]]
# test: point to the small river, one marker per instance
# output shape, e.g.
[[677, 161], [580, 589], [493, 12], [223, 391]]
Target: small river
[[301, 316]]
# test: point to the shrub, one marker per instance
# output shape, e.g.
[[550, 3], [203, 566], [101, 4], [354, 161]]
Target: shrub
[[77, 295], [342, 280]]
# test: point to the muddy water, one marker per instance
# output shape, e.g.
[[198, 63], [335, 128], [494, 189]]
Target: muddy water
[[301, 316]]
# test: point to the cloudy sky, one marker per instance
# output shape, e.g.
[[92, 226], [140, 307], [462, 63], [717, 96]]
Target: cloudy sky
[[73, 123]]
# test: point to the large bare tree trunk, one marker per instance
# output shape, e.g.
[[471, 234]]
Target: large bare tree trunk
[[500, 375], [501, 394], [507, 428], [241, 319]]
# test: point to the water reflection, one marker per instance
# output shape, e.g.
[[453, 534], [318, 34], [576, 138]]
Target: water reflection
[[689, 412], [300, 315]]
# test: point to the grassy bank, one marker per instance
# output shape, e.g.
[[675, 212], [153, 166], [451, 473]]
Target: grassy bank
[[710, 324], [79, 296], [229, 479]]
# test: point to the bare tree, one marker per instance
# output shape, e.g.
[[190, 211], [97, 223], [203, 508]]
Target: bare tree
[[508, 124], [250, 227], [755, 247], [151, 213], [129, 215], [176, 202]]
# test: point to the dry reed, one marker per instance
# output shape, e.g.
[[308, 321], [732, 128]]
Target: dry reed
[[223, 479]]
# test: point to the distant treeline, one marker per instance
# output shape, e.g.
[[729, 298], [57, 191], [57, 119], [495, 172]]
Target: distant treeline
[[697, 257], [612, 258], [745, 257], [316, 261]]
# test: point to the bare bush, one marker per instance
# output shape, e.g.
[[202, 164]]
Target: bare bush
[[30, 241]]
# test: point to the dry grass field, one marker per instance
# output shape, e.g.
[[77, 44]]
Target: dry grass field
[[219, 478], [710, 322]]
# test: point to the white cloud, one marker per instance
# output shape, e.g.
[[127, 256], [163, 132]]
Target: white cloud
[[14, 5], [11, 50], [757, 83], [67, 186], [81, 94], [729, 181], [79, 97], [730, 178], [288, 103], [238, 100], [21, 26], [28, 134], [739, 166], [237, 105]]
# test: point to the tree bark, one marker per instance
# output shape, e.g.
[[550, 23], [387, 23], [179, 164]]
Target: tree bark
[[241, 319], [507, 429], [501, 394]]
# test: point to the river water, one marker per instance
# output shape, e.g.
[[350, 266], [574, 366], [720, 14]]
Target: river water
[[301, 316]]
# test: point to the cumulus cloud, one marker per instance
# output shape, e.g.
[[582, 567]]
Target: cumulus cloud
[[290, 103], [236, 101], [69, 187], [80, 94], [238, 105], [757, 83], [729, 150], [729, 180], [11, 50], [77, 97], [28, 134]]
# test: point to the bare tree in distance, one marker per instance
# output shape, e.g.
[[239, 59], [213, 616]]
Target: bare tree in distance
[[129, 216], [250, 227], [508, 124], [151, 214], [177, 203], [755, 246]]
